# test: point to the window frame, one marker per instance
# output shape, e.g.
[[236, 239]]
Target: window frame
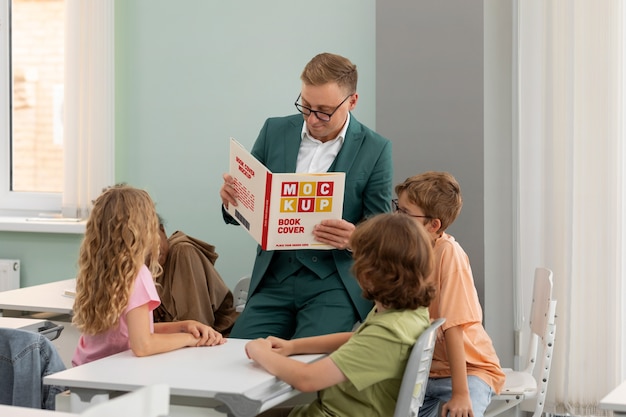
[[89, 119]]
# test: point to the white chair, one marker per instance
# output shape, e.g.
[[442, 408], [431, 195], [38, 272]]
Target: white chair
[[240, 293], [149, 401], [26, 357], [527, 388], [412, 388]]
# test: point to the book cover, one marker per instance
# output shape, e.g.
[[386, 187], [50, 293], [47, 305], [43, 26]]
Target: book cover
[[279, 210]]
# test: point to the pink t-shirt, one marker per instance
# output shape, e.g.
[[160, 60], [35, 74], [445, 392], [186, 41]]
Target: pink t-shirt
[[92, 347], [457, 301]]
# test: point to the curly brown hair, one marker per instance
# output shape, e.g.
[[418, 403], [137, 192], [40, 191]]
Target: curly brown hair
[[121, 235], [393, 259], [327, 68]]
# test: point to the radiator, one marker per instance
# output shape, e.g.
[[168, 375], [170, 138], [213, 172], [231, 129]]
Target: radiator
[[9, 274]]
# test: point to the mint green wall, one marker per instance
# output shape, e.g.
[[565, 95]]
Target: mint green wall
[[44, 257], [190, 74]]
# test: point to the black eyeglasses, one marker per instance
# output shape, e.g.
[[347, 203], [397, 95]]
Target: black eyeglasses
[[398, 209], [321, 115]]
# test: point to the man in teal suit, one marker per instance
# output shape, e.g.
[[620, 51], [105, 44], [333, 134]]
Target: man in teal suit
[[299, 293]]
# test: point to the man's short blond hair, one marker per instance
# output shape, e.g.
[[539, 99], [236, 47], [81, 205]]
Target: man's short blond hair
[[331, 68]]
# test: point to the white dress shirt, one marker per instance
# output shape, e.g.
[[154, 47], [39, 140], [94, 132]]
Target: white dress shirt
[[316, 156]]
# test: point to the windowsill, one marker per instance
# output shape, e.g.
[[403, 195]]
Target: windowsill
[[42, 225]]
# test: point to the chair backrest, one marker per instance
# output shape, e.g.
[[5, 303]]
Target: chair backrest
[[527, 388], [240, 293], [543, 329], [25, 359], [541, 315], [149, 401], [413, 386]]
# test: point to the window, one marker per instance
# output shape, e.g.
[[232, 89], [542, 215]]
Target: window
[[51, 130], [32, 100]]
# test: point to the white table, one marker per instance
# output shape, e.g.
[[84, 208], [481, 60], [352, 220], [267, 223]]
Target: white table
[[49, 302], [44, 327], [19, 323], [12, 411], [44, 298], [203, 377], [616, 400]]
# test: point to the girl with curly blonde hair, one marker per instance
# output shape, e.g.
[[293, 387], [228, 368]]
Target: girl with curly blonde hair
[[115, 290]]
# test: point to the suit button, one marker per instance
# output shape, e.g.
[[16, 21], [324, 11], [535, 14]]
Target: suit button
[[314, 258]]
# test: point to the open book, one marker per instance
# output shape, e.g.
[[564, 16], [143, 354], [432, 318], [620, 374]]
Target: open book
[[280, 210]]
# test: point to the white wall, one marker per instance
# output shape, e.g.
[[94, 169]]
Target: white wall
[[443, 97]]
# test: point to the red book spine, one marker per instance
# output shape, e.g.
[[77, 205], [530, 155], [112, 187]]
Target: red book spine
[[266, 209]]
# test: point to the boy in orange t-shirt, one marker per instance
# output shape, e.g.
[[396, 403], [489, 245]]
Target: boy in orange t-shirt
[[465, 371]]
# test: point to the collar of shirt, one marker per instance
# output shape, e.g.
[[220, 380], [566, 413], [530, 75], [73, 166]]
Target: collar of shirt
[[316, 156]]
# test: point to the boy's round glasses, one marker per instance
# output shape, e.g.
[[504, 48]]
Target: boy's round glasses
[[323, 116], [398, 209]]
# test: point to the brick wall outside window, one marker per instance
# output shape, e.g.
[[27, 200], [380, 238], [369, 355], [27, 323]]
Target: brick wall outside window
[[37, 65]]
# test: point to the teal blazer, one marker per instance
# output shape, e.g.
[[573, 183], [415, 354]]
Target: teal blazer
[[366, 159]]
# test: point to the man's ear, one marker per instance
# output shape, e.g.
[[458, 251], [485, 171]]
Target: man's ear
[[353, 100]]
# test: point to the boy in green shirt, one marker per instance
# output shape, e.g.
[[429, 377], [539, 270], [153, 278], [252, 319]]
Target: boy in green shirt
[[363, 370]]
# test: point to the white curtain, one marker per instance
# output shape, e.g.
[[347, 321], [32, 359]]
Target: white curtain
[[89, 125], [571, 187]]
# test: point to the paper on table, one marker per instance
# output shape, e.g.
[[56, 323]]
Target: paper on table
[[54, 219]]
